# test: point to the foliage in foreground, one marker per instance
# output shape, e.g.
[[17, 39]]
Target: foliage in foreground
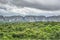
[[30, 30]]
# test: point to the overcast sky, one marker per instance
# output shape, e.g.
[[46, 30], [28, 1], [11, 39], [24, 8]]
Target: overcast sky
[[30, 7]]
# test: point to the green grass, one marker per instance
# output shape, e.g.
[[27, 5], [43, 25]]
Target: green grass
[[30, 30]]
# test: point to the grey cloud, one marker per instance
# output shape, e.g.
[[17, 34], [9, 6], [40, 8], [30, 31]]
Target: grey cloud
[[3, 1], [38, 4]]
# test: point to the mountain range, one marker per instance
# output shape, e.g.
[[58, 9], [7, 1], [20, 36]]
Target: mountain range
[[29, 18]]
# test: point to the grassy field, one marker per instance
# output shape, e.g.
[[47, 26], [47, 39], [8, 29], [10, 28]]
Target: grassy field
[[30, 31]]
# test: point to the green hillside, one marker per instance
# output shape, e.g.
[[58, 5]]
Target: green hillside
[[30, 30]]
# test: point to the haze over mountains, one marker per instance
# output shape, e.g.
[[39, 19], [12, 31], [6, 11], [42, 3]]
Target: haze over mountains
[[29, 18], [14, 14]]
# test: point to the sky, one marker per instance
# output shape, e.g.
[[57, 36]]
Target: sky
[[29, 7]]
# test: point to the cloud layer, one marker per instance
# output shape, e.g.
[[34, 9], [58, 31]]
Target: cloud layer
[[29, 7], [39, 4]]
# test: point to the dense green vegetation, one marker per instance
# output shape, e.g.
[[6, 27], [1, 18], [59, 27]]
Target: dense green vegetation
[[30, 30]]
